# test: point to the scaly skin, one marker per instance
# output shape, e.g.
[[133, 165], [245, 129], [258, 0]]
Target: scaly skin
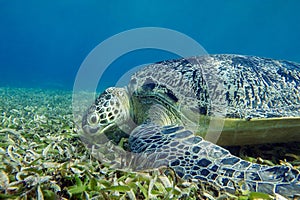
[[191, 157], [160, 139]]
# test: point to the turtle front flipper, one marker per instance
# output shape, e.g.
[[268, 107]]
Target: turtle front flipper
[[191, 157]]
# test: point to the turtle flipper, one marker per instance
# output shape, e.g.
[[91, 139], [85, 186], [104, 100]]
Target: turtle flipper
[[191, 157], [283, 179]]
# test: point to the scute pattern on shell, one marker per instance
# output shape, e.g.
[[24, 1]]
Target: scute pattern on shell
[[249, 86], [161, 96]]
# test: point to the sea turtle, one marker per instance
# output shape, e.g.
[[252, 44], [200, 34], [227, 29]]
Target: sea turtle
[[169, 107]]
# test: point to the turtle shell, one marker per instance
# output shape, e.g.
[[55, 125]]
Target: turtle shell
[[254, 100]]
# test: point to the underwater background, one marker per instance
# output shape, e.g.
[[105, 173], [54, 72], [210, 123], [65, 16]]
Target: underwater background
[[43, 43]]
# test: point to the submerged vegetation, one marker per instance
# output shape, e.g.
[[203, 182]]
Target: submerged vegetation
[[42, 157]]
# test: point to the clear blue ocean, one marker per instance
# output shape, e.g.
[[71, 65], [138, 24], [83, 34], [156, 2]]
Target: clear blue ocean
[[43, 43], [56, 144]]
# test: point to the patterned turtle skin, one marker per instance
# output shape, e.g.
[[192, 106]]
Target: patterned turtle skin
[[167, 107]]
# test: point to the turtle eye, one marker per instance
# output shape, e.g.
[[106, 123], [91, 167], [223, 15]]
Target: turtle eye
[[93, 119]]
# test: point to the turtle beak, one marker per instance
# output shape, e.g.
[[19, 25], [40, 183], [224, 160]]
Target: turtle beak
[[96, 129], [90, 129]]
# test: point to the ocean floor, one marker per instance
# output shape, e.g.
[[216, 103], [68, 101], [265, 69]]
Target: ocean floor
[[42, 157]]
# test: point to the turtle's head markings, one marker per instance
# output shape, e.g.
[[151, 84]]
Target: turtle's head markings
[[110, 109]]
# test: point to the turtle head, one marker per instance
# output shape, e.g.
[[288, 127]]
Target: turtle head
[[111, 109]]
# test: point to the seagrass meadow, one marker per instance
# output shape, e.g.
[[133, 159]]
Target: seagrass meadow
[[42, 157]]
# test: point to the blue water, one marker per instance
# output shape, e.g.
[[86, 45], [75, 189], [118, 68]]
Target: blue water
[[43, 43]]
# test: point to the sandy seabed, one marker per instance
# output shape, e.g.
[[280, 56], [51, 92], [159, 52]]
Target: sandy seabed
[[42, 157]]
